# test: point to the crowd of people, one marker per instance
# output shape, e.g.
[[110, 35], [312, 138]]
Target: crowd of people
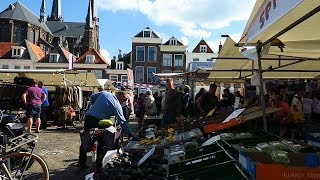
[[296, 110]]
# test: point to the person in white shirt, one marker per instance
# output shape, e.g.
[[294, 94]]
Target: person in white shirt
[[307, 106]]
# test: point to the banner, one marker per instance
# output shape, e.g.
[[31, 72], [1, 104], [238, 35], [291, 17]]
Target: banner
[[70, 67], [130, 78], [270, 12]]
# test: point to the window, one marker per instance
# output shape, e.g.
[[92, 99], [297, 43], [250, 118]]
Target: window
[[17, 67], [166, 71], [195, 59], [124, 78], [97, 73], [203, 48], [178, 62], [54, 58], [209, 59], [113, 78], [150, 72], [33, 36], [140, 53], [147, 33], [119, 65], [26, 67], [167, 60], [18, 34], [178, 71], [90, 59], [17, 51], [139, 74], [152, 54], [173, 42], [5, 66]]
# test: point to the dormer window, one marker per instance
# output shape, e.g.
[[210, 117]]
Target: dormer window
[[119, 65], [203, 48], [173, 42], [90, 59], [54, 58], [17, 51], [147, 33]]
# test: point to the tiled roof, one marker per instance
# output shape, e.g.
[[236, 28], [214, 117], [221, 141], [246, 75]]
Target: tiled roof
[[36, 50], [67, 29], [202, 42], [5, 47], [18, 11], [64, 55], [98, 57], [67, 54]]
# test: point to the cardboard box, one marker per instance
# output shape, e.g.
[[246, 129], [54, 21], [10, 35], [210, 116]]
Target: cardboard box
[[260, 166]]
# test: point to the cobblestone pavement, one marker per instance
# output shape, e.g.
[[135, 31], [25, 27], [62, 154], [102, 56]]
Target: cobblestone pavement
[[60, 149]]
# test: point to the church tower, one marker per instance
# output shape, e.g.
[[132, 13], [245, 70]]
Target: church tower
[[92, 27], [43, 11], [56, 11]]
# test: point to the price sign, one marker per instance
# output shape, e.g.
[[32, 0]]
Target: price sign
[[211, 140]]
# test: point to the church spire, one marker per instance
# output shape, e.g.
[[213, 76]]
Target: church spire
[[43, 11], [94, 10], [89, 23], [56, 11]]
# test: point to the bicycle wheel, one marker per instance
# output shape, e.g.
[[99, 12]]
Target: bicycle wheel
[[24, 165]]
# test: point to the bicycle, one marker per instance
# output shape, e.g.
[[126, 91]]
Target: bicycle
[[18, 162]]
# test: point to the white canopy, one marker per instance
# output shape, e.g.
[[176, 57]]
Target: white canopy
[[232, 62], [268, 19]]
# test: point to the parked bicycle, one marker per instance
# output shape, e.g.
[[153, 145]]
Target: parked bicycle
[[18, 161]]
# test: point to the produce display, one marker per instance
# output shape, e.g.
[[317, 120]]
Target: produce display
[[150, 136], [125, 166]]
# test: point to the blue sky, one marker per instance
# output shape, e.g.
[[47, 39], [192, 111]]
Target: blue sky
[[187, 20]]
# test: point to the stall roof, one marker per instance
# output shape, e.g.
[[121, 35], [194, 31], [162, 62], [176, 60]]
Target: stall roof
[[82, 79], [293, 67], [302, 40]]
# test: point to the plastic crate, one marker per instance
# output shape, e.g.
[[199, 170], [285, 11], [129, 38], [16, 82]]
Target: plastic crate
[[217, 158], [226, 171]]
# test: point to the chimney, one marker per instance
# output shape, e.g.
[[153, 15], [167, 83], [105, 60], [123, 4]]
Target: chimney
[[220, 47]]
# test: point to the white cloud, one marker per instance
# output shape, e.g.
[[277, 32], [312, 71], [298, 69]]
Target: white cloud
[[106, 55], [195, 18], [185, 41]]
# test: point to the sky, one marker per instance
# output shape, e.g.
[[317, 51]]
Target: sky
[[187, 20]]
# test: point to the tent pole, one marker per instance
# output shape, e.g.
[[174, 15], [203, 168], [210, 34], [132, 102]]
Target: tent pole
[[261, 93]]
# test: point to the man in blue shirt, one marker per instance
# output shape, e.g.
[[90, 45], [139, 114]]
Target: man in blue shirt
[[104, 105], [44, 107]]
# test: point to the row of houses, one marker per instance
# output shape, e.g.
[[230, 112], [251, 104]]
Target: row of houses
[[31, 42]]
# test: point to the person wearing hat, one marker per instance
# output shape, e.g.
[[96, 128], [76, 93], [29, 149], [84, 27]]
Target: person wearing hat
[[150, 104], [187, 102]]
